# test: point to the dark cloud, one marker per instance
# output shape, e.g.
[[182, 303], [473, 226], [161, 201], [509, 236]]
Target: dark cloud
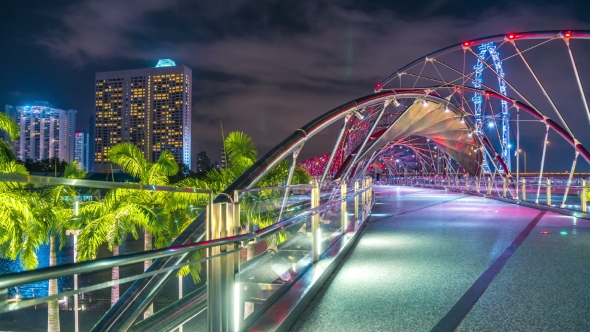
[[268, 67]]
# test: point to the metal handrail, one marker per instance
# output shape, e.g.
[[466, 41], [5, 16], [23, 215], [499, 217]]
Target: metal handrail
[[51, 181], [60, 271], [240, 191]]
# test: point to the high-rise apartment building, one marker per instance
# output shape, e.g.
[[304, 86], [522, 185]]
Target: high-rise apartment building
[[81, 151], [203, 162], [45, 132], [91, 135], [149, 107]]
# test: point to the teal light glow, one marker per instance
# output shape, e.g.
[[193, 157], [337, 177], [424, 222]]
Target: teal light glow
[[563, 233], [165, 63]]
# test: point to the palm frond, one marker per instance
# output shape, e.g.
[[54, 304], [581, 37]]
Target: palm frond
[[129, 157], [9, 126], [239, 145]]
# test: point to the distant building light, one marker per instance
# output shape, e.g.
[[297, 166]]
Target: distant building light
[[165, 63]]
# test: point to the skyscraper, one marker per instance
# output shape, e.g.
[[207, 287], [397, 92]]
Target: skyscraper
[[149, 107], [45, 132], [91, 135], [81, 152], [203, 162]]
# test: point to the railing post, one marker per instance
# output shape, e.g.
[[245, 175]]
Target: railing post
[[504, 187], [466, 182], [223, 272], [477, 184], [316, 236], [584, 196], [343, 213], [489, 186], [523, 190], [548, 191]]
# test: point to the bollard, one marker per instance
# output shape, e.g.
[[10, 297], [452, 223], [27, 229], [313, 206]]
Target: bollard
[[489, 186], [466, 182], [523, 190], [504, 187], [584, 195], [477, 185], [549, 192]]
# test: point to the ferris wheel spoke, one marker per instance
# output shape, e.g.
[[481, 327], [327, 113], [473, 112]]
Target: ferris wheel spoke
[[543, 89]]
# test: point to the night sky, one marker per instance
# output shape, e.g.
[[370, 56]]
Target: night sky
[[262, 67]]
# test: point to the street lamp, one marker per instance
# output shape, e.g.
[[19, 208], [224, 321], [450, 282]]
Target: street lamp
[[75, 233]]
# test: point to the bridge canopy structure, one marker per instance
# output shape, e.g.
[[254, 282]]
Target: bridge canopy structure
[[417, 124]]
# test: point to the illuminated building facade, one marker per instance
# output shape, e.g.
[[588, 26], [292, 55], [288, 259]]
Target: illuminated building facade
[[203, 162], [45, 132], [149, 107], [81, 152]]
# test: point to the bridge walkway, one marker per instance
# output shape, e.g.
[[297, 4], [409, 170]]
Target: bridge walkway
[[431, 260]]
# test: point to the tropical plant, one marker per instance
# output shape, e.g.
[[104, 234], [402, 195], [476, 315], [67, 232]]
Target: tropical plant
[[55, 211], [20, 232], [11, 128], [121, 212], [111, 219]]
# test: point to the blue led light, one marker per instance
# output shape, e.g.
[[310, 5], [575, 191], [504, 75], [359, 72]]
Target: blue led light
[[165, 63], [484, 50]]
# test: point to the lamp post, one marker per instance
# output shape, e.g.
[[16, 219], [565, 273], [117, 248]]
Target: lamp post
[[75, 233]]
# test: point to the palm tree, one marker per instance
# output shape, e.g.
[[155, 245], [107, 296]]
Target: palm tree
[[8, 126], [55, 210], [122, 211], [20, 232], [111, 220]]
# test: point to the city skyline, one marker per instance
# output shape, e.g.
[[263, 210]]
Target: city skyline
[[262, 68]]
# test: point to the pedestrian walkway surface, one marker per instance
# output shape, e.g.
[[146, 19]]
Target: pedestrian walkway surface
[[431, 260]]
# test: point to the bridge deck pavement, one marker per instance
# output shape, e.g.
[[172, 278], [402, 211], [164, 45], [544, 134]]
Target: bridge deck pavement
[[430, 260]]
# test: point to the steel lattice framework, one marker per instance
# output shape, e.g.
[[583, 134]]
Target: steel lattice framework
[[484, 50]]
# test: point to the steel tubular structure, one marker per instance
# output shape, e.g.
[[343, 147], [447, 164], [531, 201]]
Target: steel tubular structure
[[419, 123]]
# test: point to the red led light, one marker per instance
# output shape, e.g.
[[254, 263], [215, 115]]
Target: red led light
[[545, 232], [378, 85], [511, 36], [567, 34], [466, 44]]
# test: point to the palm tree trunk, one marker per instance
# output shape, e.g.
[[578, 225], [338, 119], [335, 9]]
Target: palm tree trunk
[[147, 245], [52, 306], [115, 276]]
